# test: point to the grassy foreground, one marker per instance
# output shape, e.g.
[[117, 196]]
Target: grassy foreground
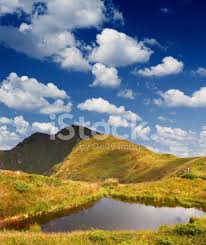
[[25, 195], [193, 233]]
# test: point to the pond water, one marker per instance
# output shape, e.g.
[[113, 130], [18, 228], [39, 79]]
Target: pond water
[[109, 214]]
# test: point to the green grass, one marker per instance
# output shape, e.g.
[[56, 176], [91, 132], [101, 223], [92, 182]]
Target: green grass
[[173, 191], [24, 195], [95, 160], [186, 234]]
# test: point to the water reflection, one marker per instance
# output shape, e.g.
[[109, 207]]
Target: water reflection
[[108, 214]]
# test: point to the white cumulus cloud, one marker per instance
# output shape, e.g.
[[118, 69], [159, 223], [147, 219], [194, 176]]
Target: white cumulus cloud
[[201, 71], [100, 105], [8, 139], [117, 49], [177, 98], [142, 131], [127, 94], [118, 121], [49, 35], [23, 93], [175, 140], [44, 128], [14, 130], [169, 66], [105, 76], [5, 120]]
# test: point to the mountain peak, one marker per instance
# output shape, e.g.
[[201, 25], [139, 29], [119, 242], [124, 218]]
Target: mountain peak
[[38, 153]]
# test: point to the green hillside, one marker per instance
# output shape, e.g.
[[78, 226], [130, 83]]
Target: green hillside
[[96, 160], [25, 195]]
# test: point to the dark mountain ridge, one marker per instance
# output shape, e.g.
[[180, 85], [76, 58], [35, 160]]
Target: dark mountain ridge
[[39, 152]]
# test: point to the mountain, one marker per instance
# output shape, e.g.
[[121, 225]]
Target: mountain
[[94, 160], [97, 160], [38, 153]]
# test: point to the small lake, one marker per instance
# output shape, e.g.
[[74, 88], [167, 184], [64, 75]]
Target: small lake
[[109, 214]]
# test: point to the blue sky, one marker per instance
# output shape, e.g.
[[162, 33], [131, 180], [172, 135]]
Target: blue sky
[[108, 61]]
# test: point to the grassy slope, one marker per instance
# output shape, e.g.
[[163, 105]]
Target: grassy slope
[[174, 191], [187, 234], [31, 194], [28, 195], [92, 160]]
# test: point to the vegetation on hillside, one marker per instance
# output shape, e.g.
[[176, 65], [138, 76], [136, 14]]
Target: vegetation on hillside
[[95, 160], [173, 191], [26, 195]]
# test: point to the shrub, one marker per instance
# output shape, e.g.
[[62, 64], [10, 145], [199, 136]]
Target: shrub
[[21, 187], [35, 228], [111, 182], [97, 236], [193, 220], [189, 229], [165, 241], [189, 176]]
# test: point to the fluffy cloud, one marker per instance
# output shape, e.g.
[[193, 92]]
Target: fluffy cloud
[[5, 120], [179, 141], [8, 139], [44, 128], [176, 98], [127, 94], [72, 59], [22, 126], [14, 130], [153, 42], [117, 49], [57, 107], [60, 46], [142, 132], [201, 71], [49, 33], [118, 121], [175, 140], [18, 122], [105, 76], [23, 93], [165, 119], [100, 105], [10, 6], [59, 13], [169, 66]]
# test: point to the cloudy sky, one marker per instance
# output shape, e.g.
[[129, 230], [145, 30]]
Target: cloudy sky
[[112, 61]]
